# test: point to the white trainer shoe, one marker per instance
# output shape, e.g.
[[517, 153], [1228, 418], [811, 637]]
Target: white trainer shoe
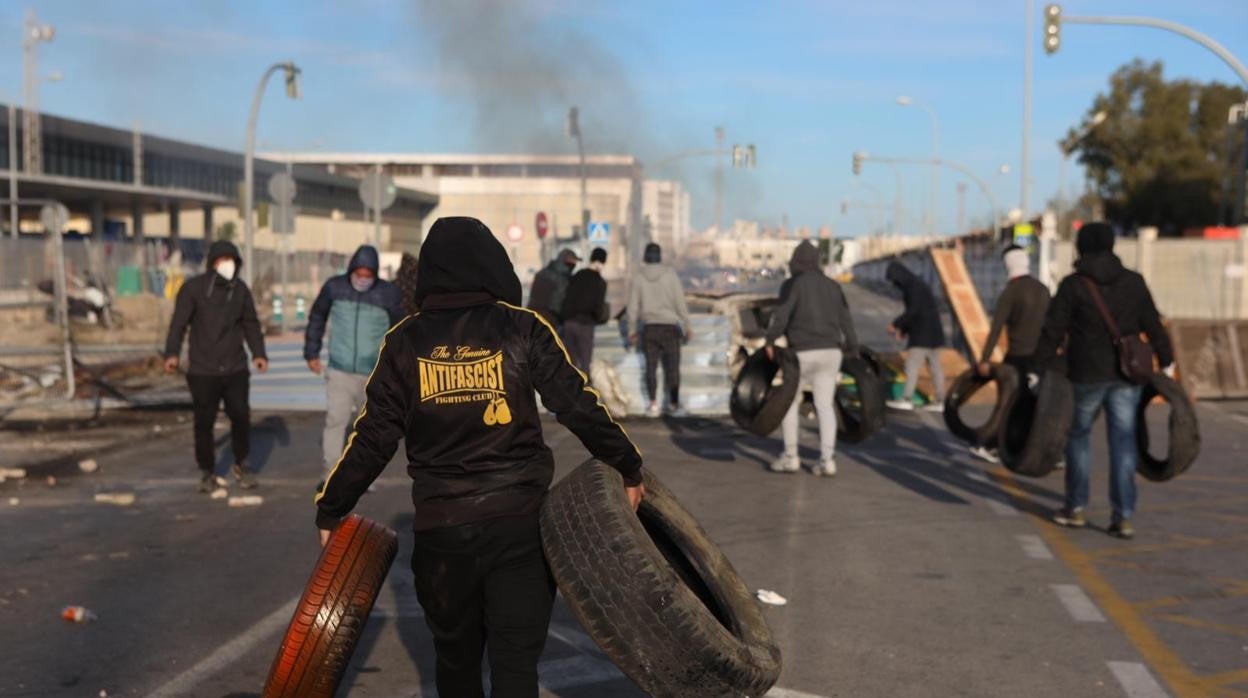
[[985, 454], [903, 405], [826, 468], [785, 464], [653, 410]]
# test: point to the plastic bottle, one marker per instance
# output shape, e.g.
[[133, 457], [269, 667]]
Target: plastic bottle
[[77, 614]]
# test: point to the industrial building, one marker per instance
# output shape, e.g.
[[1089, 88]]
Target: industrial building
[[508, 191]]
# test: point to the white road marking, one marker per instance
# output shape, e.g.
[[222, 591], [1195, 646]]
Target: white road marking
[[1034, 547], [1077, 603], [1136, 680], [1001, 508], [227, 654], [788, 693]]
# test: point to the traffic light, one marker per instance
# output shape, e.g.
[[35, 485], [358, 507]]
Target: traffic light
[[857, 163], [1052, 28], [743, 156]]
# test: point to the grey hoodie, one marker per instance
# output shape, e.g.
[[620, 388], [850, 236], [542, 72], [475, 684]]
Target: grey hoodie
[[813, 312], [656, 298]]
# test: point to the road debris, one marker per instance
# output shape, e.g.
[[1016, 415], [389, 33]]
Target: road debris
[[770, 597], [121, 499], [219, 493], [251, 500], [14, 501], [88, 465], [12, 473], [77, 614], [186, 517], [51, 481]]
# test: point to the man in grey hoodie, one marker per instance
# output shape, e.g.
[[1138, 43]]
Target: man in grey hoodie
[[814, 315], [656, 305]]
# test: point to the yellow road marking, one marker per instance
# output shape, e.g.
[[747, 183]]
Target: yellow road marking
[[1225, 678], [1203, 624], [1183, 683]]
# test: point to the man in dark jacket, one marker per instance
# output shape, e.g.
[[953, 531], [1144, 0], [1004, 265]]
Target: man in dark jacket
[[1020, 311], [360, 308], [584, 307], [550, 286], [814, 315], [920, 325], [219, 310], [1092, 365], [458, 380]]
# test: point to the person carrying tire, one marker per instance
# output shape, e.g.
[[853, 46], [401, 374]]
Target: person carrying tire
[[660, 317], [218, 308], [813, 315], [358, 307], [1092, 363], [1020, 311], [919, 324], [584, 307], [458, 380]]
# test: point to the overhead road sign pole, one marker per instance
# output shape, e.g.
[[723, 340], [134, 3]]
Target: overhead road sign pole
[[249, 155]]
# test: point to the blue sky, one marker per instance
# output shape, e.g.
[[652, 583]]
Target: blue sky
[[807, 82]]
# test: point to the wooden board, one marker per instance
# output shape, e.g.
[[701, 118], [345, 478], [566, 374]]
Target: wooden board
[[968, 309]]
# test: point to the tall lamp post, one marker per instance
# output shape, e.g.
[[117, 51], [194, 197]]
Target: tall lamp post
[[574, 131], [249, 175], [906, 101]]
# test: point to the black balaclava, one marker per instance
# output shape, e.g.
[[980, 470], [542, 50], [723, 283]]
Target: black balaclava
[[653, 254]]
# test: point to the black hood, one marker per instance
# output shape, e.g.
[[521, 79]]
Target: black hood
[[366, 257], [1095, 238], [222, 248], [1103, 267], [900, 275], [805, 258], [461, 255]]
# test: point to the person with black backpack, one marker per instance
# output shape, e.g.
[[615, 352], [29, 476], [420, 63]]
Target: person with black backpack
[[1099, 312]]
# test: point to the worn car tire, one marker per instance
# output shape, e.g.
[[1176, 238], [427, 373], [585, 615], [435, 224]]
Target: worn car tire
[[859, 414], [1032, 437], [331, 613], [1184, 443], [652, 590], [757, 406], [966, 385]]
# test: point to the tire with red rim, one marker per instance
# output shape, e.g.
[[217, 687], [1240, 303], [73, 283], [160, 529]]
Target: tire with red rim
[[331, 614]]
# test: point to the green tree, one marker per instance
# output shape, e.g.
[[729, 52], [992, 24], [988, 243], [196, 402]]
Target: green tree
[[1161, 156], [226, 231]]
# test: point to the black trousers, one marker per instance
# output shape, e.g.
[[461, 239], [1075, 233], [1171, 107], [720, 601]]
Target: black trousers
[[662, 343], [207, 393], [485, 584], [578, 337], [1021, 362]]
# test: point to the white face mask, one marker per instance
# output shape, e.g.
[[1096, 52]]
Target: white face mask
[[362, 283], [226, 269]]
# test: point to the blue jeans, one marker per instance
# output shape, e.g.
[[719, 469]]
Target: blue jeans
[[1120, 400]]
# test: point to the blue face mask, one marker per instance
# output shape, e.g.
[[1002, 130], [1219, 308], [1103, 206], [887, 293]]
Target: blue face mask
[[362, 284]]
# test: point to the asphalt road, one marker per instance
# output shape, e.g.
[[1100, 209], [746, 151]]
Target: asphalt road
[[916, 572]]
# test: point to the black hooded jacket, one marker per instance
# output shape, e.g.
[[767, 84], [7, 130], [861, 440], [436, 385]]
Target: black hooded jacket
[[221, 315], [920, 321], [457, 380], [812, 312], [1073, 318]]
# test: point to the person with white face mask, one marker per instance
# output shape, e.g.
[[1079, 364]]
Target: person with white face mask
[[219, 310], [358, 308]]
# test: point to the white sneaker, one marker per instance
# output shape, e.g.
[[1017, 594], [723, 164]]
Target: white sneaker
[[826, 468], [785, 464], [934, 407], [653, 410], [679, 411], [985, 454], [903, 405]]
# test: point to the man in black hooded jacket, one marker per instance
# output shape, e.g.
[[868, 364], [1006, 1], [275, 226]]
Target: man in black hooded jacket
[[458, 380], [1092, 365], [919, 324], [221, 314]]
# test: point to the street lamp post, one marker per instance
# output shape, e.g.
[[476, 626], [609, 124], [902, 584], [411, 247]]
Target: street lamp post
[[249, 175], [33, 33], [13, 223], [906, 101], [574, 131]]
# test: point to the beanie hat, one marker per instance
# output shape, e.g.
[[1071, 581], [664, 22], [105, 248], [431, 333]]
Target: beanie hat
[[1095, 238], [598, 255], [653, 254]]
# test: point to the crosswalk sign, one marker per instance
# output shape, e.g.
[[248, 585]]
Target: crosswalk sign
[[599, 233]]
